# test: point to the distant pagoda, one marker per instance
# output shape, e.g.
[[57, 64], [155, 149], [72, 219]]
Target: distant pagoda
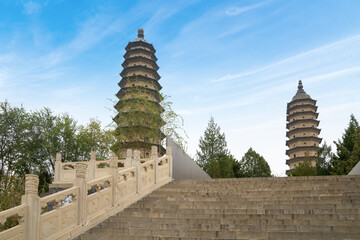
[[303, 131], [138, 119]]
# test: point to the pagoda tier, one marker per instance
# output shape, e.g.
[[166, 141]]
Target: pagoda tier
[[302, 125], [133, 104], [303, 141], [150, 94], [298, 131], [140, 70], [139, 111], [140, 60], [139, 81], [140, 52]]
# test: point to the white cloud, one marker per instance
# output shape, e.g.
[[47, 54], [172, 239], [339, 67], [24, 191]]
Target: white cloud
[[236, 10], [303, 60], [31, 8]]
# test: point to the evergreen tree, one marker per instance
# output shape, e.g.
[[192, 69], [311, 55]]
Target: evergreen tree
[[347, 149], [253, 164], [323, 162], [214, 156]]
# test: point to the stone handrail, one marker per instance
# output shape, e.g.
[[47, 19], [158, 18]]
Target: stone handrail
[[17, 232], [69, 213]]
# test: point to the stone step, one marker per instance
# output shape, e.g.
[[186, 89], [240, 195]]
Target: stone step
[[216, 224], [258, 208], [352, 214], [221, 204], [244, 232]]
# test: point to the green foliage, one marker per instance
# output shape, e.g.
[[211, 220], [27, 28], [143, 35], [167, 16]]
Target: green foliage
[[144, 117], [213, 156], [11, 190], [323, 163], [29, 142], [174, 124], [138, 118], [340, 163], [304, 169], [253, 164], [347, 149]]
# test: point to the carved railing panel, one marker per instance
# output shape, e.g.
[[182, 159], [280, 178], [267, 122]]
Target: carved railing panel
[[127, 183], [100, 200], [59, 212], [18, 214], [148, 174]]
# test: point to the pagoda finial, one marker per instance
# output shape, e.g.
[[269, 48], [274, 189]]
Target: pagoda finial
[[141, 33], [300, 87]]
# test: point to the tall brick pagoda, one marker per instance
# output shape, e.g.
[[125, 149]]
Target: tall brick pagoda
[[302, 126], [138, 119]]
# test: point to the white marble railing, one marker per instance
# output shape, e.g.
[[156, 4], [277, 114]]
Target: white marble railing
[[91, 200]]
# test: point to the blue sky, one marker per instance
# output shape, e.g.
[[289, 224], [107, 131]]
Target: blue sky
[[238, 61]]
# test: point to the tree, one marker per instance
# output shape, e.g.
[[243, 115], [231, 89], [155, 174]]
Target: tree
[[174, 123], [214, 156], [304, 169], [323, 162], [93, 138], [29, 142], [347, 149], [253, 164]]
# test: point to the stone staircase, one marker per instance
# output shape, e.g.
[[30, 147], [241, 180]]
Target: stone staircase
[[253, 208]]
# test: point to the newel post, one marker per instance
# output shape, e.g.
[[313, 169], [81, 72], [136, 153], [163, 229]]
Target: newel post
[[115, 185], [136, 163], [128, 160], [81, 183], [32, 199], [92, 166], [169, 155], [154, 156], [57, 174]]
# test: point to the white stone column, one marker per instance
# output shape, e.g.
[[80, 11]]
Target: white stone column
[[31, 198], [92, 166], [154, 156], [115, 184], [128, 160], [57, 173], [169, 155], [136, 163], [81, 183]]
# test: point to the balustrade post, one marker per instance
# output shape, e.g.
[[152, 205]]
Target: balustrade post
[[114, 164], [92, 166], [57, 173], [154, 156], [32, 199], [136, 163], [169, 155], [128, 160], [81, 183]]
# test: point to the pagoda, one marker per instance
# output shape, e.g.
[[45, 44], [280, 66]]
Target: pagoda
[[302, 125], [139, 110]]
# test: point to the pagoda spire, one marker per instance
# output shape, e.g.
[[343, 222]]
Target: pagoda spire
[[140, 33], [300, 87]]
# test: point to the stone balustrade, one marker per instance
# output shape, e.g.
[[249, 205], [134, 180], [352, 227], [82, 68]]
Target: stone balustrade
[[96, 193]]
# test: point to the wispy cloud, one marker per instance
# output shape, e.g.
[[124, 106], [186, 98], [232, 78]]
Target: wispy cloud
[[239, 10], [307, 57], [31, 8]]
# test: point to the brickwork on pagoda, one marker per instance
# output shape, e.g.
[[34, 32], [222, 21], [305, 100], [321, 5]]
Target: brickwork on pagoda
[[302, 125], [139, 111]]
